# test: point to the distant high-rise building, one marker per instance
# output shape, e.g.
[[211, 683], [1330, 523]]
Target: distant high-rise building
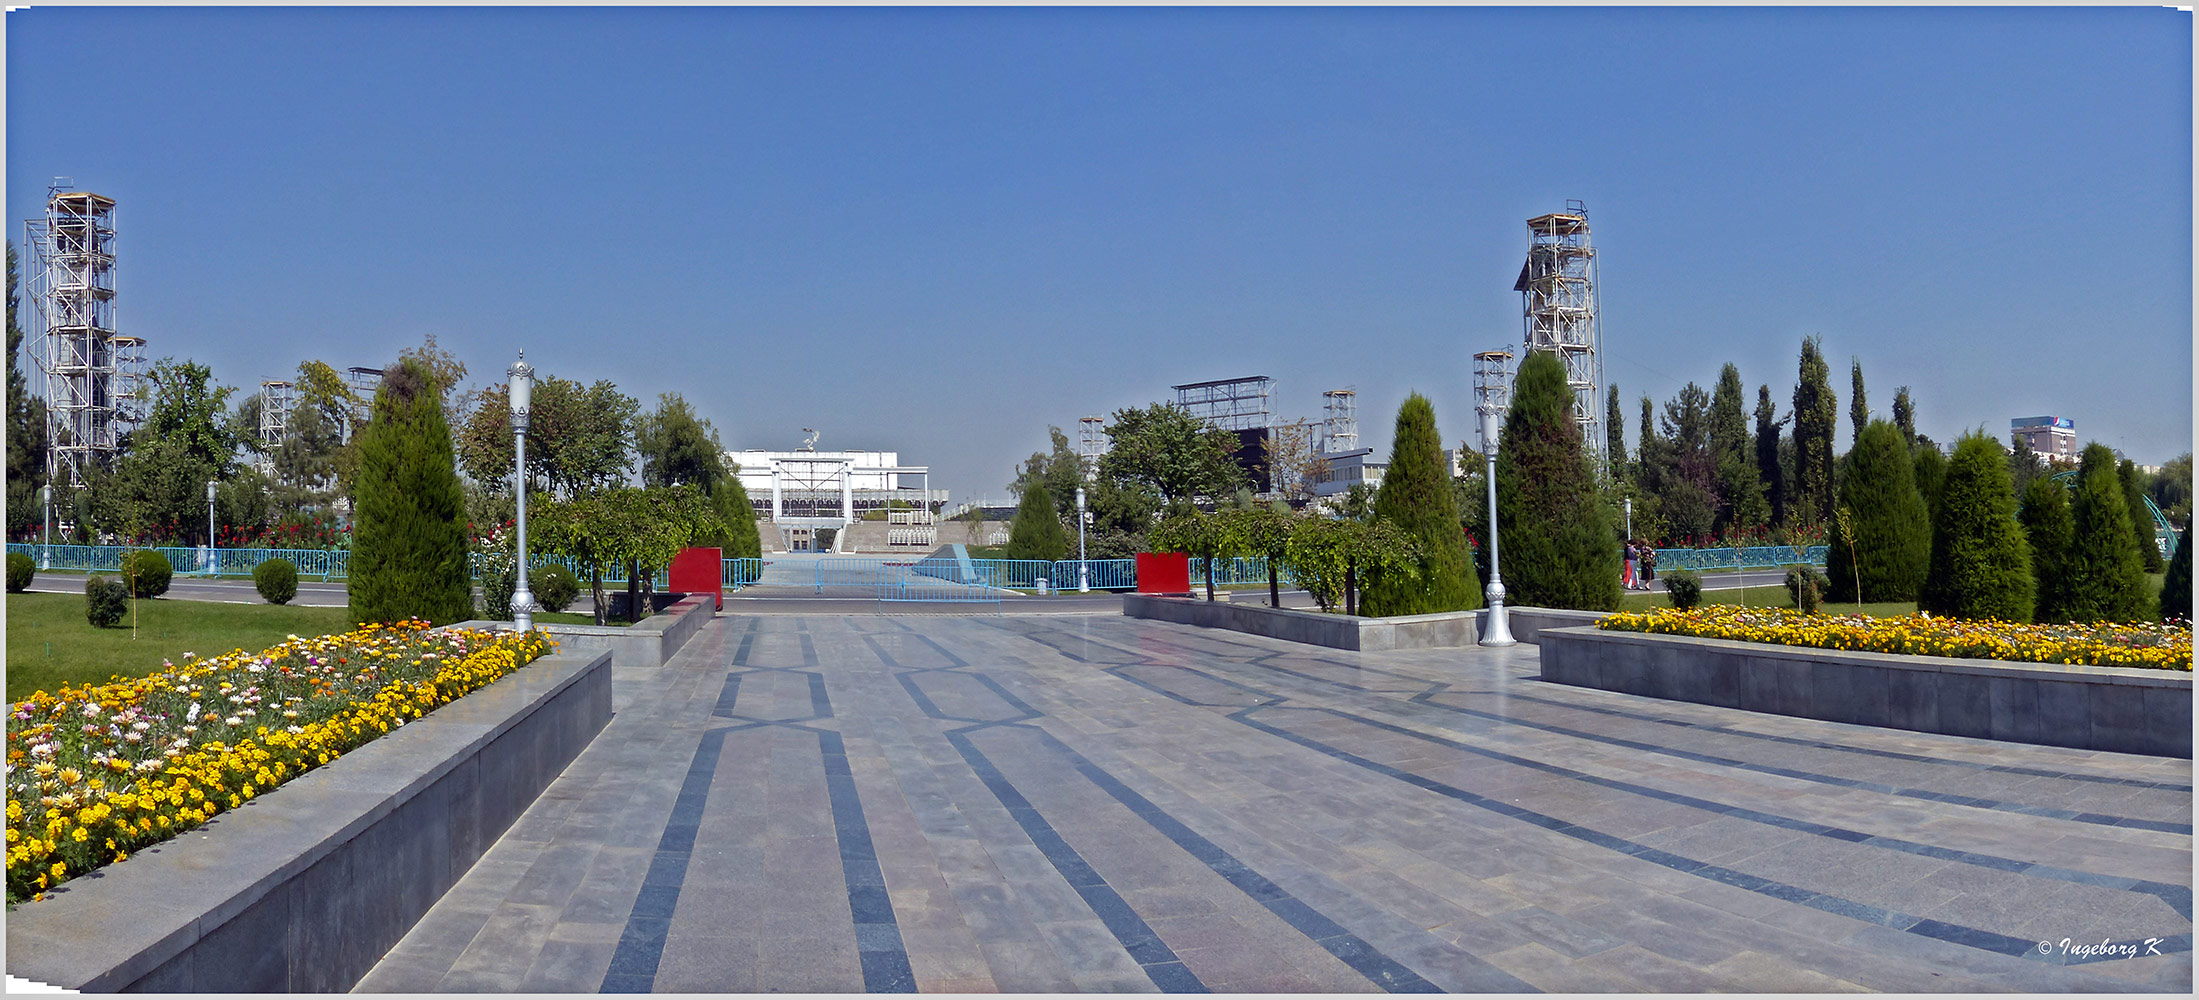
[[2050, 437]]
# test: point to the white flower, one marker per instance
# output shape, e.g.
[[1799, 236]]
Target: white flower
[[133, 737], [191, 714], [41, 749], [141, 725], [152, 764], [91, 710], [182, 742], [233, 721]]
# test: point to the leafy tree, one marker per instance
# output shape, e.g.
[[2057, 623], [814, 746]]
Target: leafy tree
[[578, 437], [1205, 537], [2171, 490], [2141, 519], [1058, 471], [1416, 496], [1615, 432], [2176, 586], [1859, 412], [1742, 503], [1904, 415], [449, 373], [1768, 468], [639, 528], [2023, 464], [1892, 536], [1815, 412], [1981, 562], [678, 448], [2106, 579], [1166, 450], [408, 556], [26, 427], [1327, 556], [2044, 513], [1265, 533], [1290, 461], [1930, 473], [1555, 543], [157, 491], [1679, 467], [1036, 532]]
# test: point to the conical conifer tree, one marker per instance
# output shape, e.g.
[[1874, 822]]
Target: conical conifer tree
[[408, 552], [2044, 513], [1417, 497], [1555, 543], [1036, 532], [1893, 537], [2141, 519], [2106, 580], [2176, 586], [1981, 563]]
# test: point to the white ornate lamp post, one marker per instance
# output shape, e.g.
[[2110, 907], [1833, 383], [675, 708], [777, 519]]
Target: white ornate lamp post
[[45, 551], [1491, 386], [209, 560], [522, 395], [1084, 569]]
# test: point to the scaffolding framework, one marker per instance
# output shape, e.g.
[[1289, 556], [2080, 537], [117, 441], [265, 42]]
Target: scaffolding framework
[[1091, 443], [364, 383], [1339, 421], [1557, 289], [1230, 404], [91, 380], [277, 400]]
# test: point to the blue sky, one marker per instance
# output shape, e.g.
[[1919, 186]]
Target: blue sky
[[939, 231]]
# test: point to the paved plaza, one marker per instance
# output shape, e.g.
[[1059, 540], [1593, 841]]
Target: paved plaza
[[817, 803]]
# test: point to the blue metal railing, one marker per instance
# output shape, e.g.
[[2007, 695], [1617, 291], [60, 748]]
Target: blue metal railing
[[1744, 557], [1105, 574], [324, 564]]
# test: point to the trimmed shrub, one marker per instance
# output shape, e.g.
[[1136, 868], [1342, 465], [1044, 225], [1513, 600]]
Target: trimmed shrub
[[2105, 578], [1417, 497], [147, 572], [1807, 587], [1683, 586], [105, 601], [1981, 562], [1555, 542], [1931, 476], [2176, 586], [1036, 532], [554, 586], [2044, 513], [1893, 532], [408, 551], [2141, 519], [276, 580], [21, 568]]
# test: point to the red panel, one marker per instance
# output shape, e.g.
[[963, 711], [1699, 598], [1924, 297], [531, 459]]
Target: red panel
[[699, 571], [1164, 573]]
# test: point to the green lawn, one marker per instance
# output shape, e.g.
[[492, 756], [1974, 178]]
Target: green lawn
[[569, 618], [50, 643]]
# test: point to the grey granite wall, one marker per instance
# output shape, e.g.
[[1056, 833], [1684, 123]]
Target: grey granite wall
[[2120, 709]]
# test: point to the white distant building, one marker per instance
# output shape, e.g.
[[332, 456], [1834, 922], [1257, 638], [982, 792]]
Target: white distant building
[[1342, 469], [2049, 437], [804, 490]]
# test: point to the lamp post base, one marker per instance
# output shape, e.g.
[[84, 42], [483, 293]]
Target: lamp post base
[[1497, 631]]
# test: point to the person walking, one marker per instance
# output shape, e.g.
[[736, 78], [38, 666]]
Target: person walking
[[1626, 576], [1649, 565]]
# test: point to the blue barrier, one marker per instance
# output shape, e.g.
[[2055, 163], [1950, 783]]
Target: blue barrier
[[1105, 574], [1744, 557]]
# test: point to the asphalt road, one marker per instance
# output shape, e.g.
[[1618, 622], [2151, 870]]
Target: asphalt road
[[220, 590]]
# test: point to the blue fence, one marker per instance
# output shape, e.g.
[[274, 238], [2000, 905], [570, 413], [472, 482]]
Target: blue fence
[[1746, 557], [322, 564], [1103, 574]]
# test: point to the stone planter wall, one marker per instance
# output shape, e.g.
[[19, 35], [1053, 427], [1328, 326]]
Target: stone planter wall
[[2120, 709], [303, 889], [650, 642]]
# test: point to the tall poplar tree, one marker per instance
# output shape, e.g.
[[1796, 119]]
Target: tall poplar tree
[[1615, 433], [2176, 586], [1768, 467], [1905, 415], [26, 427], [2141, 519], [1742, 503], [1416, 497], [408, 554], [1816, 411], [1859, 412]]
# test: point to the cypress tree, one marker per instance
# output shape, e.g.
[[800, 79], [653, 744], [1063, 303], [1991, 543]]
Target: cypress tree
[[2106, 580], [1740, 485], [1981, 562], [1859, 412], [2141, 519], [408, 551], [1930, 474], [2176, 586], [1036, 532], [1815, 413], [1554, 535], [1893, 537], [1417, 498], [1905, 415], [1615, 433], [2046, 524], [1767, 454]]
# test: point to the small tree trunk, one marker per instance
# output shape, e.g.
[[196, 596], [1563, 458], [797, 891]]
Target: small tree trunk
[[1274, 585], [633, 591], [595, 589], [1351, 587], [1210, 578]]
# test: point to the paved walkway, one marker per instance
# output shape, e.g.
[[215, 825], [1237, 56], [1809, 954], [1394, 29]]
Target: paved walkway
[[840, 804]]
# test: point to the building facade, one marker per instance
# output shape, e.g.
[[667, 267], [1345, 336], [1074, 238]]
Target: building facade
[[2049, 437]]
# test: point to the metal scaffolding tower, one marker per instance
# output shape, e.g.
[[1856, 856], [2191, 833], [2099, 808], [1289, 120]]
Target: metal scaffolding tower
[[277, 400], [363, 383], [1091, 442], [1230, 404], [85, 370], [1557, 289], [1339, 421]]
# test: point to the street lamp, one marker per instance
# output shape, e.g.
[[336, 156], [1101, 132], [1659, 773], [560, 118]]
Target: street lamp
[[1084, 569], [1629, 517], [45, 550], [522, 376], [208, 562], [1491, 386]]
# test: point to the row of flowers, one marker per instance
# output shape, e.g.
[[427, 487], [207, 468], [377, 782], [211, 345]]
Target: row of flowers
[[2158, 645], [97, 772]]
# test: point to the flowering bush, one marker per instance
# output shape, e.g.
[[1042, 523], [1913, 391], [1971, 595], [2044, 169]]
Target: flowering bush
[[2162, 646], [97, 772]]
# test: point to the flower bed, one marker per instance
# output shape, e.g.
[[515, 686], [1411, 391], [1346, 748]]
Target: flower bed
[[2161, 646], [94, 773]]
